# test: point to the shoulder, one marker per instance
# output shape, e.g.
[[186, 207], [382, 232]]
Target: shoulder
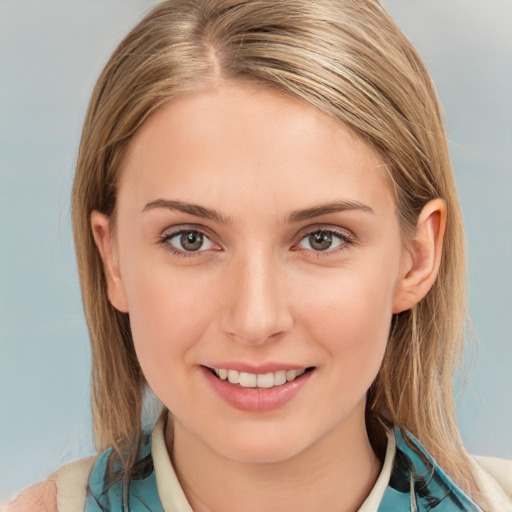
[[494, 478], [41, 497], [499, 470], [63, 491]]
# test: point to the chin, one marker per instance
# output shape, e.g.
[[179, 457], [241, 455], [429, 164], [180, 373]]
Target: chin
[[262, 446]]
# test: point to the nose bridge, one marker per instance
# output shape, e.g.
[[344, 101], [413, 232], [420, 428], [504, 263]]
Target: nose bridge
[[258, 309]]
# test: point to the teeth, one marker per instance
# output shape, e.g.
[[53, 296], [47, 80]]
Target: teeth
[[248, 380], [233, 376], [261, 380], [291, 375], [279, 377], [266, 380]]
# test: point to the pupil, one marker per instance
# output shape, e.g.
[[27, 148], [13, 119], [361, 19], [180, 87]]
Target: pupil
[[191, 241], [320, 241]]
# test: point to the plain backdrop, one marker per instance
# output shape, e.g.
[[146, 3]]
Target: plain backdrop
[[52, 51]]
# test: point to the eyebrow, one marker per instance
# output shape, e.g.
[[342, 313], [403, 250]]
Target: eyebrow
[[191, 209], [295, 216], [324, 209]]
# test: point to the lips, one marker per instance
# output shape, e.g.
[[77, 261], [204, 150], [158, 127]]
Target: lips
[[257, 392]]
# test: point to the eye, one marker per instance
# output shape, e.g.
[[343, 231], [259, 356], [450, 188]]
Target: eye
[[324, 240], [188, 241]]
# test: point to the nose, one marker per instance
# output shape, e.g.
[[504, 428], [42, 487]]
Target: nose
[[258, 310]]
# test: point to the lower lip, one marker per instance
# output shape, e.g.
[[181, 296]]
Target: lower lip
[[256, 399]]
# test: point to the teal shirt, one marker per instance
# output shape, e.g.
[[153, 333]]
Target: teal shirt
[[417, 484]]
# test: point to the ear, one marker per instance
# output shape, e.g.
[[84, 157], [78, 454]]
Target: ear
[[102, 233], [421, 264]]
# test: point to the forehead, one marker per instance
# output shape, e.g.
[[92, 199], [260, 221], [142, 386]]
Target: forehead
[[242, 140]]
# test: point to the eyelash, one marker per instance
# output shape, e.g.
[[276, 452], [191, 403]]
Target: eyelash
[[346, 241], [165, 239]]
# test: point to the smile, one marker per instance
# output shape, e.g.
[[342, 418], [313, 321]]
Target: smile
[[257, 392], [258, 380]]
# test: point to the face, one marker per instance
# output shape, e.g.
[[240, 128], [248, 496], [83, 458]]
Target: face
[[258, 253]]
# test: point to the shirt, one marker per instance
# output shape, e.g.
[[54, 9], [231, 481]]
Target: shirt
[[410, 481]]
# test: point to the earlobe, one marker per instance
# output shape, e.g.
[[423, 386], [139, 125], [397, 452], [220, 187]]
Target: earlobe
[[102, 233], [423, 261]]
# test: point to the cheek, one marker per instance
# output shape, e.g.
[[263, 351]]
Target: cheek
[[351, 318], [168, 314]]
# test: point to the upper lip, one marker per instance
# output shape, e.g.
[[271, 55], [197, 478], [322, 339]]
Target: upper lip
[[257, 369]]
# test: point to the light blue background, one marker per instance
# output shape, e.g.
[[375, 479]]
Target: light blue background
[[50, 55]]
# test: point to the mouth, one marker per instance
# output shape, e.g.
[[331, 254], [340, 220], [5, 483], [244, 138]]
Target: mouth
[[258, 380]]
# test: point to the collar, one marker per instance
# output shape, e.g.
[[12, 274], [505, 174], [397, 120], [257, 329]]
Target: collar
[[173, 498]]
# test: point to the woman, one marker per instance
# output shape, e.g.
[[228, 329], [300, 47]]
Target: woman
[[268, 235]]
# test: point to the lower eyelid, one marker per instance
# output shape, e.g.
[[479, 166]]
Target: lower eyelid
[[167, 237]]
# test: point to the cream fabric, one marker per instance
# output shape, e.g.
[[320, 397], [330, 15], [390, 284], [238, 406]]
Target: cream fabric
[[494, 477], [71, 481], [371, 503], [171, 494]]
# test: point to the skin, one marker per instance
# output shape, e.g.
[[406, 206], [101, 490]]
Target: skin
[[41, 497], [258, 291]]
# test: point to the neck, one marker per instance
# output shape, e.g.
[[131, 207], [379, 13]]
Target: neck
[[336, 473]]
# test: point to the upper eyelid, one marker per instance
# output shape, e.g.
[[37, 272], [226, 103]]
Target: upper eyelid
[[337, 230], [167, 235], [174, 230], [171, 232], [347, 238]]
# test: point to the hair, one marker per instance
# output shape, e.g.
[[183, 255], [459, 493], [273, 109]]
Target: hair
[[348, 59]]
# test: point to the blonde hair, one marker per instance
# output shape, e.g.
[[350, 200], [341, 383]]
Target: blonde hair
[[348, 59]]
